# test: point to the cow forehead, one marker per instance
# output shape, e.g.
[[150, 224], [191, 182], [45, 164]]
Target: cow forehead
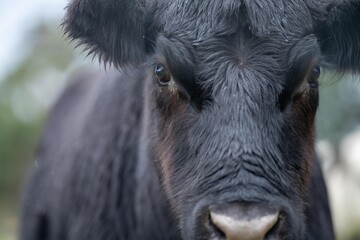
[[199, 19], [212, 26]]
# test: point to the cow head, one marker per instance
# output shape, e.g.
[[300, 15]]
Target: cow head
[[232, 90]]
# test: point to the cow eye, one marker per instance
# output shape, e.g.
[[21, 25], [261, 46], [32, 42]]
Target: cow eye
[[314, 76], [162, 74]]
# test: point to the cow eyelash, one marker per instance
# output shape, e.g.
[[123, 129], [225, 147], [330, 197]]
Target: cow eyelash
[[167, 83], [314, 76], [163, 75], [311, 80]]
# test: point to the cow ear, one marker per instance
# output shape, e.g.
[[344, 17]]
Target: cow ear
[[339, 36], [111, 29]]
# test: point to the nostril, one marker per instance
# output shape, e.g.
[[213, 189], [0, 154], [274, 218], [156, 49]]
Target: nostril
[[243, 222]]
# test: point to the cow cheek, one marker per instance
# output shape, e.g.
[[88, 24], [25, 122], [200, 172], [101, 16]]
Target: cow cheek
[[176, 119], [304, 109], [166, 171]]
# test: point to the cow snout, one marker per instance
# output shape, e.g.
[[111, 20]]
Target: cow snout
[[244, 221]]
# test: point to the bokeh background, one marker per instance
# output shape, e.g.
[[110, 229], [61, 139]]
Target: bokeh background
[[36, 61]]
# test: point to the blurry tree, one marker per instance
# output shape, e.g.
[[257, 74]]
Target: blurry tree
[[339, 109], [25, 95]]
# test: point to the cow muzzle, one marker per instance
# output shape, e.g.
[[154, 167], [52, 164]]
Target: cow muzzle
[[243, 221]]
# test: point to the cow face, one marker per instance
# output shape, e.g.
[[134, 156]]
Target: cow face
[[232, 88], [235, 107]]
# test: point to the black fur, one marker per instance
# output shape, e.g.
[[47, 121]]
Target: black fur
[[339, 38], [131, 158], [112, 29]]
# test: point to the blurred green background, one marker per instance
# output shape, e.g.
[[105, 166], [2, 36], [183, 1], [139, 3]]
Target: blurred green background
[[34, 66]]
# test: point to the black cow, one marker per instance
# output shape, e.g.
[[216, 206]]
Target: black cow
[[204, 131]]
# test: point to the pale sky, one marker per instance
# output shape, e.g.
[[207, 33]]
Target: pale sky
[[17, 17]]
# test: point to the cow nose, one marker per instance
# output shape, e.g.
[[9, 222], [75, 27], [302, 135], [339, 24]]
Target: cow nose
[[243, 221]]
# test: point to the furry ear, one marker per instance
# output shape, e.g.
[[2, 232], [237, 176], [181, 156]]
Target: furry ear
[[112, 29], [339, 36]]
